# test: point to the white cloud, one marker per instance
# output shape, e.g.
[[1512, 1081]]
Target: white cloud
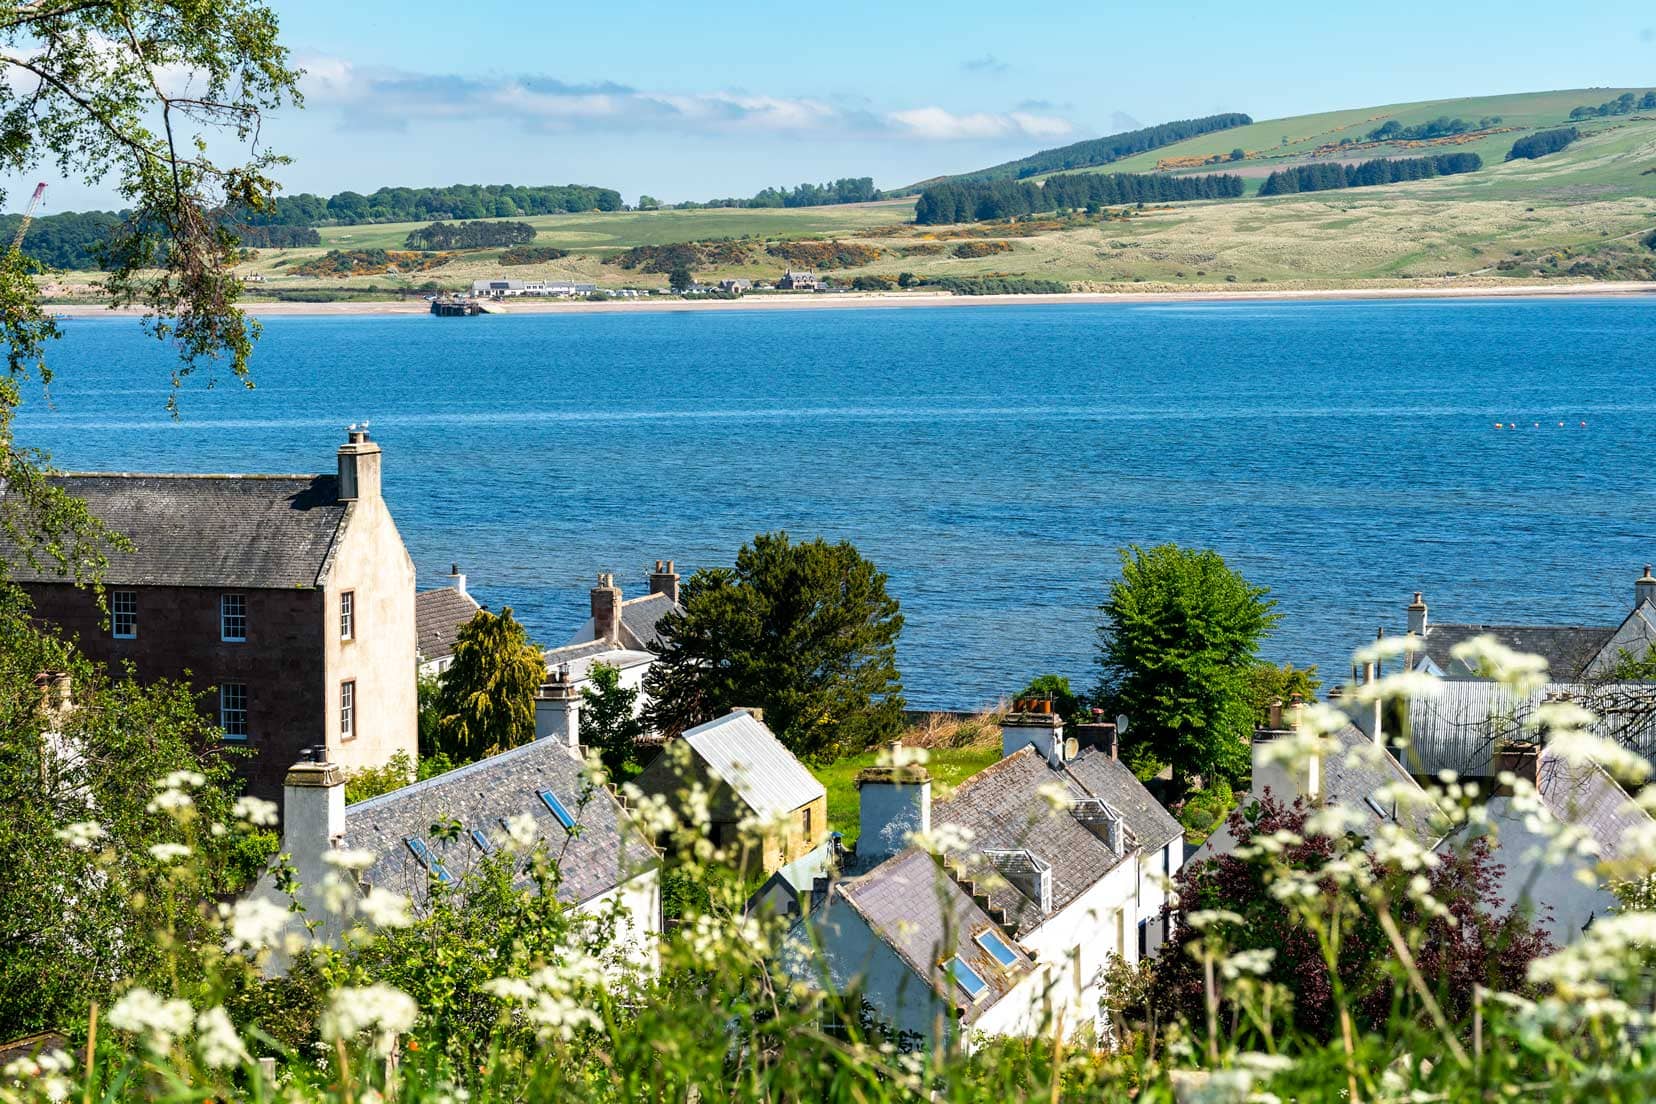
[[385, 99]]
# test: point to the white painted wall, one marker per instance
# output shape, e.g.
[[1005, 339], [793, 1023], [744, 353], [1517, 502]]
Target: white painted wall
[[1075, 943], [638, 919]]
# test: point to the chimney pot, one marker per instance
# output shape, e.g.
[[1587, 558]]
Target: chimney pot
[[1644, 590], [1417, 616], [606, 609]]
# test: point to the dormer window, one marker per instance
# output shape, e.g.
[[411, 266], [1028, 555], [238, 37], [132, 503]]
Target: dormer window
[[233, 618]]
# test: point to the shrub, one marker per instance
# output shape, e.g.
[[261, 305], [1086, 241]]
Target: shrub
[[1542, 143], [528, 255], [370, 262], [824, 255], [967, 249]]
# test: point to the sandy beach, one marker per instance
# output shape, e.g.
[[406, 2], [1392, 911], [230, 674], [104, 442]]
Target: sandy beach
[[838, 301]]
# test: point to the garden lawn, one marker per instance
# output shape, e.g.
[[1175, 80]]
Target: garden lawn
[[948, 766]]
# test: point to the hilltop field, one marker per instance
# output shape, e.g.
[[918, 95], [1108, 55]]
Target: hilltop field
[[1587, 212]]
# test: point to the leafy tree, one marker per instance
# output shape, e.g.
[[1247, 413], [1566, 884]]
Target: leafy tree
[[1238, 154], [1633, 668], [648, 203], [806, 631], [79, 788], [609, 720], [1268, 683], [1177, 648], [681, 278], [487, 700], [1472, 943], [91, 89]]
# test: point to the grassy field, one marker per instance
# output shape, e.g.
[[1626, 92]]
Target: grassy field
[[948, 766], [1583, 212]]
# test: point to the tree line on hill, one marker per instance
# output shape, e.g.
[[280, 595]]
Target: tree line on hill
[[75, 239], [1102, 151], [1441, 127], [1624, 104], [470, 235], [1542, 143], [1332, 174], [454, 203], [998, 199], [848, 189]]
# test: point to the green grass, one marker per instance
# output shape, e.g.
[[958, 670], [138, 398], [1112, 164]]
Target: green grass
[[948, 767]]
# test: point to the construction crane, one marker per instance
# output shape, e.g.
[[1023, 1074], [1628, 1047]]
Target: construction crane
[[28, 216]]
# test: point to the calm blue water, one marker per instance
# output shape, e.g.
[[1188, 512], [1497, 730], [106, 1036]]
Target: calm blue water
[[990, 459]]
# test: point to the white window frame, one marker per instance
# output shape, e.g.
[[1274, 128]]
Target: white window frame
[[228, 712], [225, 614], [347, 710], [347, 615], [123, 604]]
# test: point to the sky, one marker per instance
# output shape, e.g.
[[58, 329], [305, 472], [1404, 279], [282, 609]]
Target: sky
[[699, 100]]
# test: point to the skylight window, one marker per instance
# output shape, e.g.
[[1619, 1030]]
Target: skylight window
[[966, 977], [550, 800], [1379, 810], [990, 940], [420, 851], [484, 844]]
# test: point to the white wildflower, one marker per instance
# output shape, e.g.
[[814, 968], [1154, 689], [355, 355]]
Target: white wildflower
[[1256, 962], [381, 1009], [218, 1041], [168, 853], [1389, 647], [1205, 918], [182, 780], [1580, 747], [943, 839], [255, 922], [1404, 685], [350, 859], [256, 811], [521, 831], [552, 997], [171, 802], [901, 755], [82, 835], [1489, 658], [155, 1020], [385, 909], [1057, 796], [1335, 821]]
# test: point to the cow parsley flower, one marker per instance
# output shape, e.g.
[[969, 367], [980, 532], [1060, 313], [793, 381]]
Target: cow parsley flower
[[256, 811], [82, 835], [218, 1041], [381, 1009], [155, 1020], [385, 909], [169, 853], [255, 922]]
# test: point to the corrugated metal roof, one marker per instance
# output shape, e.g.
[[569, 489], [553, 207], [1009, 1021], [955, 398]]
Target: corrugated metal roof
[[764, 774]]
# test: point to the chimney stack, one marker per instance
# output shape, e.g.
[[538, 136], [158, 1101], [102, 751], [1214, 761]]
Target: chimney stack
[[1041, 730], [606, 609], [558, 711], [313, 815], [665, 580], [359, 466], [893, 802], [456, 579], [1644, 590], [1520, 757], [1417, 616]]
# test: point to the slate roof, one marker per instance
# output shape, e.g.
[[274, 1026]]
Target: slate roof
[[639, 617], [1002, 808], [607, 851], [1568, 649], [924, 917], [1458, 728], [439, 615], [580, 658], [1362, 773], [1586, 795], [247, 531], [1109, 780], [741, 751]]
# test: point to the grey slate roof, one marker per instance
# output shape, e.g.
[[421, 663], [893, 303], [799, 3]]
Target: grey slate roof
[[246, 531], [1568, 649], [439, 615], [1457, 729], [1110, 780], [606, 852], [1585, 795], [639, 617], [1002, 808], [924, 917], [1362, 773], [740, 751]]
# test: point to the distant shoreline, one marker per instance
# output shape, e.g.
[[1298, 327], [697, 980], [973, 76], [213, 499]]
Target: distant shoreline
[[919, 299]]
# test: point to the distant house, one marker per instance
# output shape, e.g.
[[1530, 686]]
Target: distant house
[[606, 865], [439, 615], [735, 287], [511, 289], [1571, 651], [630, 623], [286, 600], [750, 776], [799, 281], [1008, 937]]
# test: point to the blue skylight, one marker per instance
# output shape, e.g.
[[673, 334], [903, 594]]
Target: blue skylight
[[966, 977], [550, 800], [484, 844], [990, 940], [420, 851]]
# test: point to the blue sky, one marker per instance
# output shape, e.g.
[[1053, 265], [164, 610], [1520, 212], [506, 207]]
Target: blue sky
[[692, 100]]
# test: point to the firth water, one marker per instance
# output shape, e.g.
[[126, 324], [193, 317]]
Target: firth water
[[990, 459]]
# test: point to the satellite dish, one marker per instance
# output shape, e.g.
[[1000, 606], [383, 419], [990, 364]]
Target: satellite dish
[[1121, 724]]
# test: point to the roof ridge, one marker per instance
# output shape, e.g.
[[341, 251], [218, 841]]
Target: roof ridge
[[188, 475], [427, 784], [1540, 628]]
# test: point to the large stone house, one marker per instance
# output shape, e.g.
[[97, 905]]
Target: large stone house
[[1009, 935], [286, 600]]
